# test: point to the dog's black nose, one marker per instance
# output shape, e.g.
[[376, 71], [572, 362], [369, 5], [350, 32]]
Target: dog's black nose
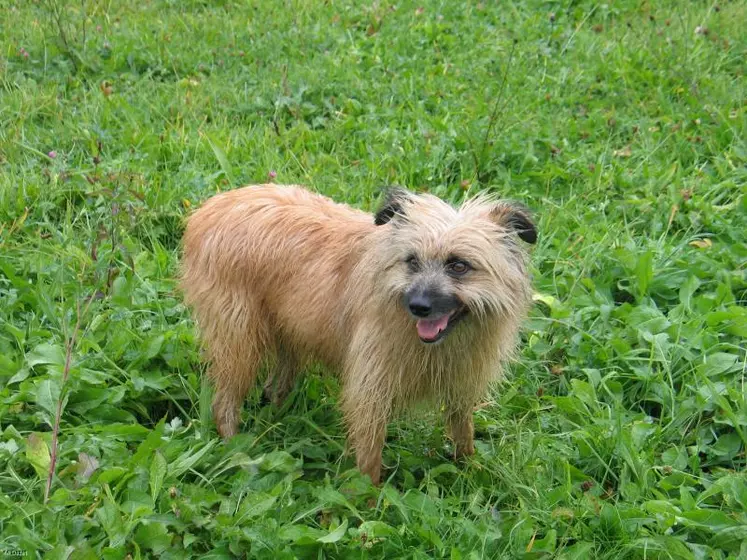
[[420, 306]]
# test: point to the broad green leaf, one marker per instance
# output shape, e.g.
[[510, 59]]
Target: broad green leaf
[[450, 468], [47, 397], [393, 497], [648, 319], [661, 507], [675, 457], [153, 441], [711, 520], [300, 534], [427, 534], [154, 536], [121, 291], [731, 538], [727, 445], [158, 468], [688, 289], [663, 547], [20, 375], [577, 551], [153, 347], [220, 155], [59, 552], [329, 495], [719, 363], [188, 459], [46, 354], [644, 272], [376, 529], [9, 447], [547, 543], [640, 432], [677, 480], [279, 461], [732, 320], [123, 431], [255, 505], [422, 503], [734, 488], [335, 535], [585, 393], [111, 520], [107, 476]]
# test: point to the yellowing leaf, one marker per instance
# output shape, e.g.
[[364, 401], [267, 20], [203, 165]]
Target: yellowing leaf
[[701, 243], [547, 299], [37, 453]]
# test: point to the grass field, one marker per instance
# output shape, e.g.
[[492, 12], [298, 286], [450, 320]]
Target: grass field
[[621, 430]]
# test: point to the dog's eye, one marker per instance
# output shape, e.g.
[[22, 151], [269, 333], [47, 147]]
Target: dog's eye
[[412, 263], [458, 267]]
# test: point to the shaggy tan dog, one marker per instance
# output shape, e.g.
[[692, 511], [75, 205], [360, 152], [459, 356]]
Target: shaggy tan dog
[[420, 302]]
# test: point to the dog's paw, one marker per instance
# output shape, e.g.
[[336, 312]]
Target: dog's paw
[[464, 450]]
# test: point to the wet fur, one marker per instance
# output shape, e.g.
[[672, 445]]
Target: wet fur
[[284, 274]]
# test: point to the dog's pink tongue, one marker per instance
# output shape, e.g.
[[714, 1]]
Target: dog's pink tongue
[[428, 329]]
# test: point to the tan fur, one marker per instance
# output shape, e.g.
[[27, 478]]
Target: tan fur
[[283, 274]]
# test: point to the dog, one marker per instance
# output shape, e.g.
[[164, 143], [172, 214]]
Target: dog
[[420, 302]]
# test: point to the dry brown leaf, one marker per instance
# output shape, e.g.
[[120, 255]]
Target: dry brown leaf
[[624, 152]]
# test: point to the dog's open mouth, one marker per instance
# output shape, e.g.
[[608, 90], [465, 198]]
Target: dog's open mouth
[[434, 330]]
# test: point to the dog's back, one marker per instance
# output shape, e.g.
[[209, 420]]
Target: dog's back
[[244, 228], [271, 258]]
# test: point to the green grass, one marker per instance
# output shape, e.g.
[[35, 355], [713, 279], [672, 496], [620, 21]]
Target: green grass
[[621, 430]]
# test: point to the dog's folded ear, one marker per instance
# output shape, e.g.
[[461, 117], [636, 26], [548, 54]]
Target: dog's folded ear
[[516, 217], [393, 204]]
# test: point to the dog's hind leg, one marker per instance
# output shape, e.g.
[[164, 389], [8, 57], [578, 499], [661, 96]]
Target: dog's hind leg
[[282, 377], [237, 346]]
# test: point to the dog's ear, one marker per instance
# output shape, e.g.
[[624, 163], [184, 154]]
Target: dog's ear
[[393, 201], [515, 217]]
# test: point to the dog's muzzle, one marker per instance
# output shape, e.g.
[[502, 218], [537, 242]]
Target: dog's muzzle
[[435, 312]]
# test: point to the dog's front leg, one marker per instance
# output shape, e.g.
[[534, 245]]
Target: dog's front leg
[[368, 456], [366, 416], [461, 428]]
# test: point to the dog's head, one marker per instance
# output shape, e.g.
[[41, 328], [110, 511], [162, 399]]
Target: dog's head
[[444, 265]]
